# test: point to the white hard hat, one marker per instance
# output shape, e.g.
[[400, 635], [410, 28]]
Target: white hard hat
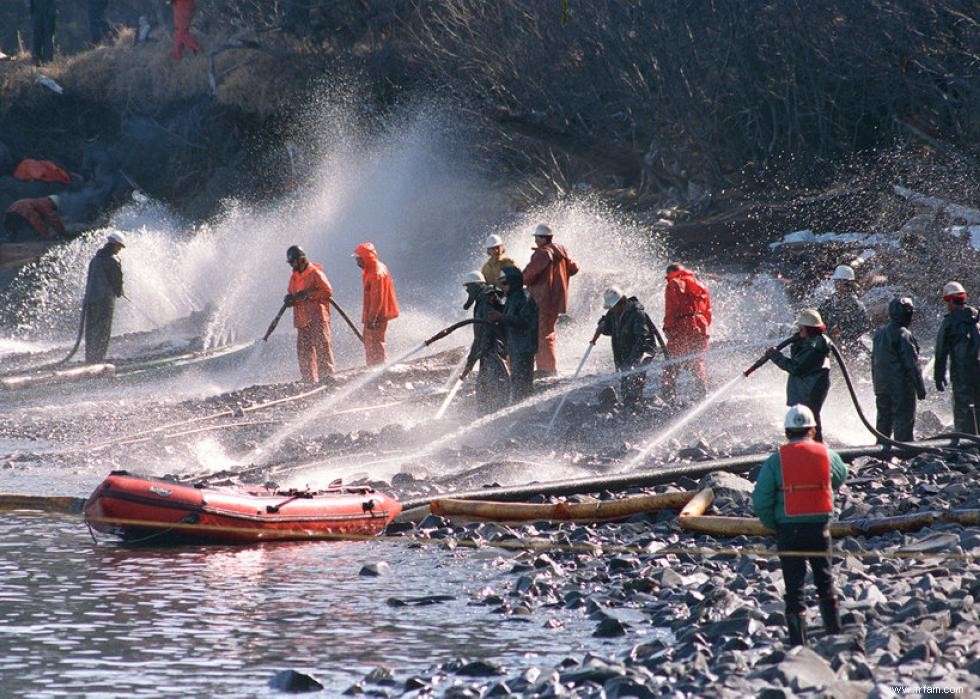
[[473, 278], [952, 288], [543, 229], [493, 241], [117, 238], [612, 296], [843, 273], [799, 417], [55, 199], [809, 318]]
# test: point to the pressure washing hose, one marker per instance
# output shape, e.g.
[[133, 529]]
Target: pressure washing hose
[[78, 337], [453, 328], [60, 362], [274, 323], [347, 319], [882, 439]]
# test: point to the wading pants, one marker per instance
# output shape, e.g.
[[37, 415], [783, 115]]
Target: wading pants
[[805, 537], [811, 390], [183, 16], [632, 387], [43, 14], [492, 385], [896, 412], [521, 377], [98, 329], [314, 350], [374, 344], [679, 346], [965, 395], [97, 25], [546, 358]]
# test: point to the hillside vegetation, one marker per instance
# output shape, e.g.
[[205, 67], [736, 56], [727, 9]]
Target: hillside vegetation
[[658, 103]]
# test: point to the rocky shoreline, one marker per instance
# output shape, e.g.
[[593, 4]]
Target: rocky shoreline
[[708, 621], [690, 615]]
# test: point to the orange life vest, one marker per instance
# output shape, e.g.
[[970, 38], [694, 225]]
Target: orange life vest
[[805, 468]]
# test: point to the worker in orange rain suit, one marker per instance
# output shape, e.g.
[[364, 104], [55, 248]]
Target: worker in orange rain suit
[[38, 215], [380, 302], [183, 16], [309, 296], [546, 277], [687, 317]]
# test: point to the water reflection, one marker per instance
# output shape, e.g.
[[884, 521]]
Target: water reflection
[[76, 618]]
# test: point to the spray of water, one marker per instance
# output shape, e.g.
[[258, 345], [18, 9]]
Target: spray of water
[[407, 184], [382, 468], [453, 384], [326, 406], [686, 420], [561, 403]]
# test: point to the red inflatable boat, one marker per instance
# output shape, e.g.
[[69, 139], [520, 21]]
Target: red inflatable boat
[[154, 510]]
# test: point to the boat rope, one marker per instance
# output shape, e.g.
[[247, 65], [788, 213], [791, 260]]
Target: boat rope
[[91, 532], [545, 545]]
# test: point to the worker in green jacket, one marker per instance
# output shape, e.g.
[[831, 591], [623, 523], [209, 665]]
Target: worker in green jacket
[[794, 496]]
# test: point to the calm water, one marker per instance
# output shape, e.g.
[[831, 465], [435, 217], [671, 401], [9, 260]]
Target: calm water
[[78, 618]]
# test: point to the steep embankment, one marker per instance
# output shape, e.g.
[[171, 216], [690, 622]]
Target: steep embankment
[[728, 116]]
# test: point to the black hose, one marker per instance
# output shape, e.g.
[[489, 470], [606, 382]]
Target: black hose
[[659, 338], [453, 328], [668, 473], [882, 439], [350, 323], [954, 435], [78, 338], [60, 362], [761, 361]]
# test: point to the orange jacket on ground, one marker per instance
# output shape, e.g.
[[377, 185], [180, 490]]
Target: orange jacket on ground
[[380, 302], [314, 282], [546, 277], [687, 307], [41, 171], [40, 213]]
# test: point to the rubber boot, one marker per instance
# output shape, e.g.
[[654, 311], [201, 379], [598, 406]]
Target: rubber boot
[[831, 614], [796, 623]]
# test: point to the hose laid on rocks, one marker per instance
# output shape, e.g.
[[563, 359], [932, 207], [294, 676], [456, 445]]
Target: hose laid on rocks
[[667, 474]]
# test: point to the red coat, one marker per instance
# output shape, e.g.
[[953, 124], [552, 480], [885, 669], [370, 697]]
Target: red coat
[[546, 277], [40, 213], [314, 282], [687, 309], [380, 302]]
